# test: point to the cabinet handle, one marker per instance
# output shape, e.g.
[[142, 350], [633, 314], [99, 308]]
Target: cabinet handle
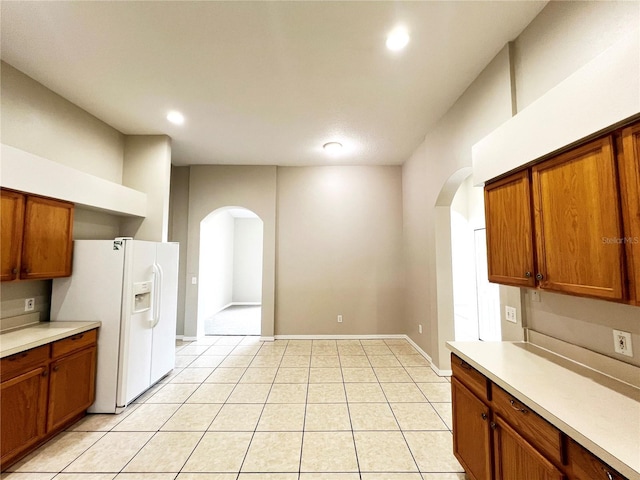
[[527, 274], [465, 365], [609, 474], [45, 373], [539, 276], [515, 406], [27, 270], [14, 270], [493, 425], [56, 368], [17, 357], [77, 337], [483, 415]]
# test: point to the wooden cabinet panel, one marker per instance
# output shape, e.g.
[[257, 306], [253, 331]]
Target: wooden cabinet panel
[[23, 413], [544, 436], [516, 459], [20, 362], [47, 243], [577, 221], [471, 433], [76, 342], [629, 167], [470, 377], [71, 386], [585, 466], [12, 218], [508, 218]]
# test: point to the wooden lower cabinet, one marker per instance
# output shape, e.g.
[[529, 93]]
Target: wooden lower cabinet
[[517, 459], [471, 432], [42, 393], [496, 437], [71, 386], [24, 411]]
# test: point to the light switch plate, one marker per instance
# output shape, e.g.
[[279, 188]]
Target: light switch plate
[[510, 314]]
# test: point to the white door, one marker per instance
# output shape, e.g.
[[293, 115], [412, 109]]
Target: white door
[[135, 360], [164, 332], [488, 293]]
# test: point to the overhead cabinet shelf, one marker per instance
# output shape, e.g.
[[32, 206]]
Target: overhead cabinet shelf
[[565, 224]]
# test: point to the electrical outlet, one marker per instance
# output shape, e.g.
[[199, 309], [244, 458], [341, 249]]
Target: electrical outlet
[[194, 280], [535, 295], [419, 328], [510, 314], [339, 318], [622, 343], [29, 304]]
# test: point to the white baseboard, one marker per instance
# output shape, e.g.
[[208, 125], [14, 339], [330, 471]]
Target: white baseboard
[[245, 304], [267, 339], [186, 339]]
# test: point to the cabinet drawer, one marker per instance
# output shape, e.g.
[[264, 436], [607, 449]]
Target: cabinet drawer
[[76, 342], [586, 466], [540, 433], [18, 363], [470, 377]]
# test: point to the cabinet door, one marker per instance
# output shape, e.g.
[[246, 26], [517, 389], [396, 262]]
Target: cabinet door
[[11, 216], [23, 412], [71, 387], [516, 459], [507, 204], [630, 188], [578, 226], [47, 243], [471, 433]]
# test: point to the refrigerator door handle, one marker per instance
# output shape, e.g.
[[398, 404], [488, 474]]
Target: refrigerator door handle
[[157, 301]]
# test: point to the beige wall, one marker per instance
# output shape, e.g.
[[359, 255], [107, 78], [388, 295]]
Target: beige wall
[[147, 168], [178, 232], [216, 186], [339, 250], [430, 179]]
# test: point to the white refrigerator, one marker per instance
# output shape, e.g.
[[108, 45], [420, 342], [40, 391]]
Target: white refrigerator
[[131, 286]]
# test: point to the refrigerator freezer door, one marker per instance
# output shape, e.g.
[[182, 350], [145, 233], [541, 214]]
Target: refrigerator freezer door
[[164, 333], [94, 292], [135, 351]]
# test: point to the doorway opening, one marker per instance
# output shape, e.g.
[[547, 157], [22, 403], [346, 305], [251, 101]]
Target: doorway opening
[[230, 271], [476, 302]]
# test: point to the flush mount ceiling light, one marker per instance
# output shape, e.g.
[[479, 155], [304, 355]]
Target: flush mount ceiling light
[[397, 39], [332, 147], [175, 117]]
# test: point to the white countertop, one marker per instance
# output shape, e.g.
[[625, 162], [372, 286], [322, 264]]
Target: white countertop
[[35, 335], [597, 411]]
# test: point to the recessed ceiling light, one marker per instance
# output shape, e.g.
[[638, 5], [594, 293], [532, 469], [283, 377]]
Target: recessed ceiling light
[[332, 147], [175, 117], [397, 39]]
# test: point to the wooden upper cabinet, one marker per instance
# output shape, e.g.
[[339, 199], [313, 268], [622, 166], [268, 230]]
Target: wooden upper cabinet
[[36, 237], [12, 218], [509, 231], [629, 167], [578, 222], [48, 230]]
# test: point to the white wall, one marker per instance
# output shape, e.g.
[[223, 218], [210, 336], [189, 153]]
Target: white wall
[[215, 289], [178, 231], [247, 260]]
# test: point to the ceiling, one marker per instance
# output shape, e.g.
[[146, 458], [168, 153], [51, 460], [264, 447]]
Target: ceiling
[[266, 82]]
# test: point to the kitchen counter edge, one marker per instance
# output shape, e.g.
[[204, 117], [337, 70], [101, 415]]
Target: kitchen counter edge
[[42, 333]]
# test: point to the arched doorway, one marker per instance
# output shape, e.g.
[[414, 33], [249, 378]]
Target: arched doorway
[[230, 266]]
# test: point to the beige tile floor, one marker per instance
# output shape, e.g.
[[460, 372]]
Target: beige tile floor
[[235, 408]]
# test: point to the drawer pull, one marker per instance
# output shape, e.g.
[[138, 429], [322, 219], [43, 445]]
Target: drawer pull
[[77, 337], [17, 357], [517, 408], [493, 425], [609, 474], [56, 368], [483, 415], [465, 365]]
